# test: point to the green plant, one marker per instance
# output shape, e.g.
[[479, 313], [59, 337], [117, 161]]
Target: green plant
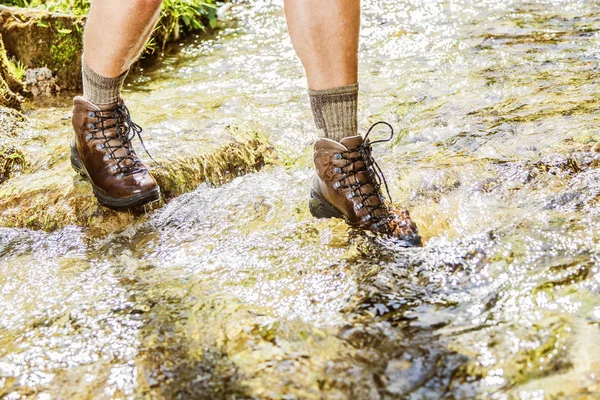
[[15, 3], [16, 69], [181, 16], [77, 7], [177, 16]]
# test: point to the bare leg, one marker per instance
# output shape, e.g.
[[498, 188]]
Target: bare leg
[[116, 32], [325, 36], [101, 148]]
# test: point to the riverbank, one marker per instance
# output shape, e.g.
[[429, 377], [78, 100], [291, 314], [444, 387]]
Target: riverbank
[[41, 42]]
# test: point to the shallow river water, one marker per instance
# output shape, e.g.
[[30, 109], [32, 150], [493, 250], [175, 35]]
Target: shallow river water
[[236, 292]]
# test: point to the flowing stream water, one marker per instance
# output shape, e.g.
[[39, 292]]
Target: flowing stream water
[[237, 292]]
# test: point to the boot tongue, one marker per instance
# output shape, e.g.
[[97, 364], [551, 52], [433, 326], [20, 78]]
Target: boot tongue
[[122, 151], [352, 142], [108, 107]]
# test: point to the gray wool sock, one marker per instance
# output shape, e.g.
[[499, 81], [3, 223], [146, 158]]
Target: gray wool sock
[[335, 111], [98, 89]]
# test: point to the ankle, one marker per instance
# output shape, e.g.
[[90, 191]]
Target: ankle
[[98, 89], [335, 111]]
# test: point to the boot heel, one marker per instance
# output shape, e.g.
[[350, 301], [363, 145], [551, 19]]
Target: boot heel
[[319, 208], [76, 163]]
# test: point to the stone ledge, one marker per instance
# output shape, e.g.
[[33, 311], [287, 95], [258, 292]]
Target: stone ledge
[[54, 198]]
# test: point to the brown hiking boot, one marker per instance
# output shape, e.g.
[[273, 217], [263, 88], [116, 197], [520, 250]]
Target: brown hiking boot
[[348, 185], [101, 151]]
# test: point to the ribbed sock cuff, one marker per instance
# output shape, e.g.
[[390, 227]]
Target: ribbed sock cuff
[[98, 89], [335, 111]]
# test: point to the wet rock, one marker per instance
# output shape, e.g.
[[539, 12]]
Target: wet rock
[[11, 123], [404, 374], [245, 152], [524, 363], [53, 198], [557, 164], [12, 160], [43, 39], [567, 200], [435, 184], [40, 82]]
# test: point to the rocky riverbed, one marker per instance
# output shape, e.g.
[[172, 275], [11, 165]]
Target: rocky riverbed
[[229, 289]]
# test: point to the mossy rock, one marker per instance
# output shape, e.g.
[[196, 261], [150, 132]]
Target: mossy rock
[[43, 39], [10, 86], [12, 159], [12, 123], [549, 355], [51, 199], [246, 152]]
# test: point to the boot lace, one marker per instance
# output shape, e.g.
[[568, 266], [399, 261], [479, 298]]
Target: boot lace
[[375, 178], [125, 130]]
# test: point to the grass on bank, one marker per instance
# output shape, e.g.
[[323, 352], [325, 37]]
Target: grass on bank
[[16, 69], [178, 17]]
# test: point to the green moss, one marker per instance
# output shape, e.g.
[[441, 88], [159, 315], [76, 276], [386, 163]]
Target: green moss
[[249, 151], [11, 161], [52, 199], [77, 7], [11, 74], [177, 18], [16, 69], [67, 45], [544, 359], [547, 357]]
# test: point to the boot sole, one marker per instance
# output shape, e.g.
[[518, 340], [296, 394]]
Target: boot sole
[[320, 208], [108, 201]]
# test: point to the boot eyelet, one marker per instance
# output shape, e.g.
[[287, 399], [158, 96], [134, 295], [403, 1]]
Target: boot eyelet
[[337, 170], [120, 176], [99, 147], [337, 156], [350, 196], [91, 114], [89, 137], [337, 185], [91, 126], [106, 158], [114, 168], [358, 206]]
